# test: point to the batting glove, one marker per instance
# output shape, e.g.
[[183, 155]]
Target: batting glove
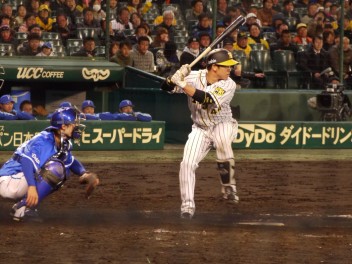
[[179, 79], [185, 70]]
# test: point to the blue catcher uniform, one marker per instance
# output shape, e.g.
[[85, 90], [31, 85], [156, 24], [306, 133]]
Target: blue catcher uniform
[[25, 168], [132, 116]]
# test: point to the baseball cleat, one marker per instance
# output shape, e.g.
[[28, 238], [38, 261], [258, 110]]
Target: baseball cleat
[[231, 195], [25, 214], [186, 215]]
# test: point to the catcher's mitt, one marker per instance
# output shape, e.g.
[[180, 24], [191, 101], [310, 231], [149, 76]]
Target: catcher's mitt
[[92, 180]]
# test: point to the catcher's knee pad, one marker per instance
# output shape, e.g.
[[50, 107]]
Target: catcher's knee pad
[[227, 171], [54, 173]]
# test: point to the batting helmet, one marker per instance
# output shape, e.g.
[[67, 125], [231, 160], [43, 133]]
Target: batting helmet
[[221, 57], [125, 103]]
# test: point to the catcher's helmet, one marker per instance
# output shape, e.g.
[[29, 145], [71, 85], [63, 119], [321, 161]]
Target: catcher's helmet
[[125, 103], [65, 115], [221, 57]]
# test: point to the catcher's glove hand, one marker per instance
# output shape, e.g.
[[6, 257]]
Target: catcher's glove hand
[[92, 180]]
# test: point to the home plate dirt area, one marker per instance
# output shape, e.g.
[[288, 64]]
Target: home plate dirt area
[[290, 211]]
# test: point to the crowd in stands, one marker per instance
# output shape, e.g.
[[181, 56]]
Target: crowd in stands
[[158, 36]]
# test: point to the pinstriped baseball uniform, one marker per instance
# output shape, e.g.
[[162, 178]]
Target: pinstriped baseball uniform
[[213, 126]]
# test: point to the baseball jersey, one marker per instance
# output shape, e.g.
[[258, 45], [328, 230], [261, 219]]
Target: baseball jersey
[[222, 92], [38, 150]]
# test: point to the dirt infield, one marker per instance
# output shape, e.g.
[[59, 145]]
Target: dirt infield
[[291, 211]]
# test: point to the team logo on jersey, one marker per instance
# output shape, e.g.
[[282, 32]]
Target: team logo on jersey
[[219, 91]]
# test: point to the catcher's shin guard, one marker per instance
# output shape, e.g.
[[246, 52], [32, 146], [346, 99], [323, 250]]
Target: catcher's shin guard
[[227, 172]]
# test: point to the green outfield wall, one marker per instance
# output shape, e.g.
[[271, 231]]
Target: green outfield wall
[[119, 135], [98, 135]]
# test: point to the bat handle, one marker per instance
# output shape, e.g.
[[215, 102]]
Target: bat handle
[[200, 56]]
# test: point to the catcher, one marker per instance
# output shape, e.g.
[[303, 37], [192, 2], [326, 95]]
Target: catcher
[[41, 165]]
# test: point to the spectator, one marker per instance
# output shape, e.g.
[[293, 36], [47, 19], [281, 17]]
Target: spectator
[[302, 37], [29, 20], [265, 14], [6, 35], [122, 22], [278, 31], [66, 30], [6, 9], [88, 49], [328, 40], [113, 49], [255, 36], [142, 58], [33, 29], [334, 61], [203, 25], [316, 26], [302, 3], [168, 18], [168, 59], [139, 32], [33, 46], [123, 56], [347, 28], [44, 19], [136, 6], [88, 19], [284, 43], [136, 20], [197, 9], [288, 12], [58, 5], [98, 12], [21, 12], [8, 113], [312, 9], [162, 36], [72, 10], [314, 61], [251, 18], [278, 19], [33, 6], [190, 52], [204, 40], [222, 9], [114, 7], [128, 113], [242, 43], [47, 50]]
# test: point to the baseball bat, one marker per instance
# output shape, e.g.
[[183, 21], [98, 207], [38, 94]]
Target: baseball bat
[[234, 25]]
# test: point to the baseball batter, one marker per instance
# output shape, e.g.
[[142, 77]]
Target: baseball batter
[[210, 92]]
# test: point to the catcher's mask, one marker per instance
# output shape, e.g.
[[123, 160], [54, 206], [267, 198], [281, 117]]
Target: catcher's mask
[[68, 115]]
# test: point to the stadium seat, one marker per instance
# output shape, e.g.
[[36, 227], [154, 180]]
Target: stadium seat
[[50, 36], [257, 46], [100, 51], [72, 49], [7, 49], [260, 61], [74, 43], [285, 65], [20, 36], [82, 33]]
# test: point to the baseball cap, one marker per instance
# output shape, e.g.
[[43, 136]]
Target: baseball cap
[[250, 15], [6, 99], [44, 7], [221, 57], [125, 103], [301, 25], [228, 41], [192, 39], [242, 35], [47, 45], [87, 103], [65, 104], [4, 28]]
